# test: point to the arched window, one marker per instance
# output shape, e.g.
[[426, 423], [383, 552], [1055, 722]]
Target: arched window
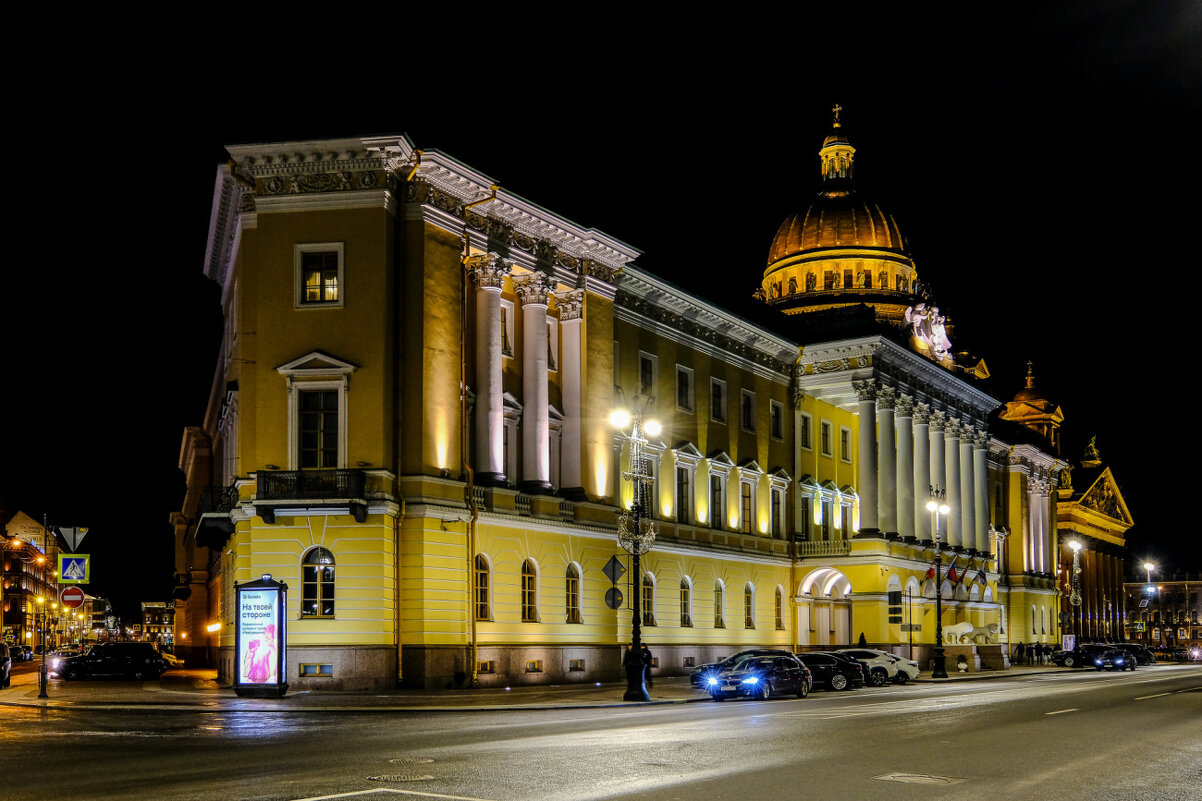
[[529, 592], [483, 588], [719, 605], [648, 600], [317, 583], [686, 603], [780, 609], [749, 607], [572, 595]]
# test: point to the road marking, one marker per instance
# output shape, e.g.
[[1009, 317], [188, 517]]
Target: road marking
[[415, 793], [1190, 690], [1062, 711], [918, 778], [1145, 697]]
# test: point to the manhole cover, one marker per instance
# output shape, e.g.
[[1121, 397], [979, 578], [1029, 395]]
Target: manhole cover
[[918, 778], [411, 761], [401, 777]]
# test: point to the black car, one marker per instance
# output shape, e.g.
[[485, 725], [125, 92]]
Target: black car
[[1099, 655], [834, 671], [699, 678], [761, 677], [136, 660], [6, 666], [1140, 654]]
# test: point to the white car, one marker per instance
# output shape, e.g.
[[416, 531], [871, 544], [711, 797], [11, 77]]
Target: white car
[[883, 666]]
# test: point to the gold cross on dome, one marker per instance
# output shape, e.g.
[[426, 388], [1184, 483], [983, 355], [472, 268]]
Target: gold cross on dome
[[837, 109]]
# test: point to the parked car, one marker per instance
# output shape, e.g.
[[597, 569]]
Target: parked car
[[1099, 655], [1141, 654], [883, 666], [136, 660], [761, 677], [834, 671], [6, 666], [699, 678]]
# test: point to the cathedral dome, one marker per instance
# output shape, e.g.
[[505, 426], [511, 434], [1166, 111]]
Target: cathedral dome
[[841, 249]]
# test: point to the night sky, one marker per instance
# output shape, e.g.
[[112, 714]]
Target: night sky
[[1043, 168]]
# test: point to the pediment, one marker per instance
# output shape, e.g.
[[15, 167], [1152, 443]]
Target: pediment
[[316, 363], [687, 449], [751, 466], [1103, 497], [721, 457]]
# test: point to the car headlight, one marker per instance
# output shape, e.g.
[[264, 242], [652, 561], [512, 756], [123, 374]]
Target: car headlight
[[751, 680], [1097, 661], [712, 681]]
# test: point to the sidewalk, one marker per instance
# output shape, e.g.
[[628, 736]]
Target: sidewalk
[[197, 690]]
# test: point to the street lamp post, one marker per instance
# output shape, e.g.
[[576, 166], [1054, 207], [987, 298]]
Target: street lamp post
[[42, 676], [938, 509], [1074, 597], [636, 535]]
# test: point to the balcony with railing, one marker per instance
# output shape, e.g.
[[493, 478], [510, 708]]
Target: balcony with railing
[[311, 489]]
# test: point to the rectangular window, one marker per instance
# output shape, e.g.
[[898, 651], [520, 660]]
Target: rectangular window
[[747, 410], [310, 670], [826, 520], [575, 665], [318, 428], [690, 661], [805, 433], [507, 328], [319, 275], [648, 369], [826, 438], [534, 666], [552, 344], [828, 279], [803, 532], [488, 666], [648, 601], [717, 506], [718, 400], [776, 420], [778, 505], [572, 596], [719, 615], [686, 605], [683, 492], [847, 279], [845, 444], [684, 388], [745, 490]]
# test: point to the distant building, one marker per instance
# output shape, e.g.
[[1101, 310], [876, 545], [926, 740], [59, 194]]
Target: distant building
[[29, 559], [1165, 613], [408, 424], [158, 622]]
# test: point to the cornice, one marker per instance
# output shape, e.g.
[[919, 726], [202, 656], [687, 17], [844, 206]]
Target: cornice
[[223, 228]]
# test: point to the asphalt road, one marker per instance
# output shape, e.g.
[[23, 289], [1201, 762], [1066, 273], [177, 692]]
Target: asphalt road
[[1080, 735]]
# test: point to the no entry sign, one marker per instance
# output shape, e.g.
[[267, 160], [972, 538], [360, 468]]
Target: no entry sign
[[71, 597]]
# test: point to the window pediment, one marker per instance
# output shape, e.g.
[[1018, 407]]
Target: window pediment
[[316, 364]]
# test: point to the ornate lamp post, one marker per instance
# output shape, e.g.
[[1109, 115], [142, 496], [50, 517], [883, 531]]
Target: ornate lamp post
[[1074, 596], [938, 509], [42, 676], [636, 535]]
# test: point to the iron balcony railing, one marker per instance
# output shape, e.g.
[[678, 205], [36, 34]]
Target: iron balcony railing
[[302, 485]]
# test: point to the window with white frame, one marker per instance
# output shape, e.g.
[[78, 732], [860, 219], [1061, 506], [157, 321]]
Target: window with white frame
[[648, 600], [684, 389], [747, 506], [317, 583], [776, 419], [319, 275], [805, 432], [780, 609], [684, 490], [507, 328], [719, 605], [572, 595], [648, 374], [845, 444], [747, 409], [803, 531], [686, 602], [826, 438], [749, 606], [718, 400], [777, 512], [826, 519], [552, 344], [529, 592], [483, 588], [717, 500], [317, 428]]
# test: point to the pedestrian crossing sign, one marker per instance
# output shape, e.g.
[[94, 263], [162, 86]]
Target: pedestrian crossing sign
[[74, 568]]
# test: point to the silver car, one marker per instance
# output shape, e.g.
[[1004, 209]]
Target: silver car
[[883, 666]]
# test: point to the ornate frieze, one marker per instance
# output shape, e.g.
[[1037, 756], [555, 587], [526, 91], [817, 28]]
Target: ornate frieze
[[532, 288], [570, 304], [488, 270]]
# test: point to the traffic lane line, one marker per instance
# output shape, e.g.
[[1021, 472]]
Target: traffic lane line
[[1062, 711]]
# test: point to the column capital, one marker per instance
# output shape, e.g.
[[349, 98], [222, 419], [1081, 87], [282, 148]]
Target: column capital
[[488, 270], [532, 288], [570, 304], [980, 439], [922, 413], [904, 406], [886, 398], [798, 394], [938, 419], [952, 428], [865, 390]]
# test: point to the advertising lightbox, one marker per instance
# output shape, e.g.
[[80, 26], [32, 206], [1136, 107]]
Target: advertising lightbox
[[260, 639]]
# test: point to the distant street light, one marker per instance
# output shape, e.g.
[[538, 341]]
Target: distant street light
[[1148, 566]]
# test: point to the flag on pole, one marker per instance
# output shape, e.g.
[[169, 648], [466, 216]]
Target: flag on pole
[[981, 577], [966, 574], [931, 572], [952, 575]]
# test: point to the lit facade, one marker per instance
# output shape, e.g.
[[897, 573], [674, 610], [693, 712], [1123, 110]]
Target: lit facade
[[1165, 613], [29, 558], [409, 426]]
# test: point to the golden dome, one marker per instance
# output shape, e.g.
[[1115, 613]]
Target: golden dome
[[842, 220]]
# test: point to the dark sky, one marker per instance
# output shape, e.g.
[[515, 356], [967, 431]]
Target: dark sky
[[1044, 168]]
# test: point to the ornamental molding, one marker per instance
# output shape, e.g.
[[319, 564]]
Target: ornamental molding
[[865, 390], [532, 288], [488, 270], [570, 305], [221, 245]]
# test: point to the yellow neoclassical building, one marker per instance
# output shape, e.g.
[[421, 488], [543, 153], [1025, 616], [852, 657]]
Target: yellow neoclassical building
[[408, 425]]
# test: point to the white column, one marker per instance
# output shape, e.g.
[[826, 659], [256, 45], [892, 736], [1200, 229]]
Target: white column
[[922, 471], [1042, 487], [980, 475], [571, 307], [904, 412], [951, 465], [1034, 558], [968, 506], [866, 451], [532, 291], [886, 460], [489, 272]]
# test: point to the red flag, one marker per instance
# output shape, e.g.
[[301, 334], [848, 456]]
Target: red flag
[[951, 570], [931, 572]]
